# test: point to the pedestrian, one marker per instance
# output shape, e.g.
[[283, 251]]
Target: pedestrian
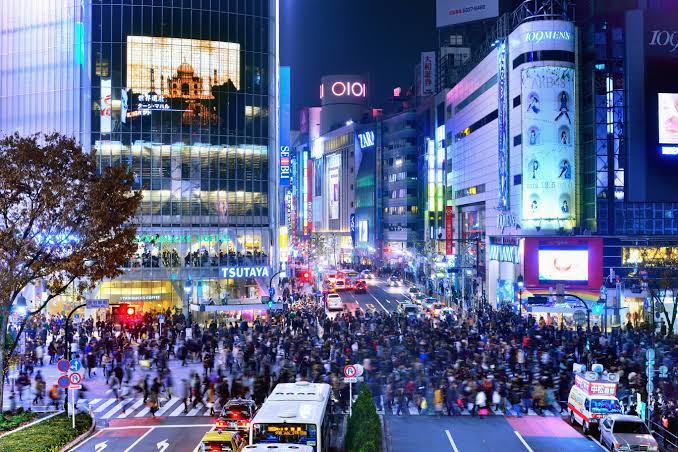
[[185, 393]]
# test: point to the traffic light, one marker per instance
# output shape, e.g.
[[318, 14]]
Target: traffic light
[[598, 308], [131, 311], [270, 305]]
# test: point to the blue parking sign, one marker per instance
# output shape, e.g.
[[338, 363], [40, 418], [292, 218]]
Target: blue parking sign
[[75, 365]]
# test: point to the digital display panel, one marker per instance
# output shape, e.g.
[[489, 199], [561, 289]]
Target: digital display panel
[[548, 144], [668, 122], [567, 265]]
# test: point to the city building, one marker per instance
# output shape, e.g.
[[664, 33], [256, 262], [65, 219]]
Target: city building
[[187, 98]]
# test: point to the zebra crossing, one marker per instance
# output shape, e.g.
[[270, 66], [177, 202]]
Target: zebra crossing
[[110, 408], [411, 410]]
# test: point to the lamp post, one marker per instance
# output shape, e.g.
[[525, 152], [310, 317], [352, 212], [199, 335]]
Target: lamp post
[[603, 299], [521, 284]]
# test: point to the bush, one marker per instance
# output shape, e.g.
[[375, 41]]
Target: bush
[[47, 436], [363, 431], [10, 421]]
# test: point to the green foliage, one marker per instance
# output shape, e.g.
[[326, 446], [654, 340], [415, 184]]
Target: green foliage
[[363, 432], [47, 436], [9, 421]]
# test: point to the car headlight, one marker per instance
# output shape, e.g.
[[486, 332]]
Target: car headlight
[[653, 448], [622, 447]]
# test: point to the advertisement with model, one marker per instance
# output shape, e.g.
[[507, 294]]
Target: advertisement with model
[[548, 126], [334, 185]]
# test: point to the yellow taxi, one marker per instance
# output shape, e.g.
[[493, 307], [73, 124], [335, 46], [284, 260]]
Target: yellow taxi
[[222, 441]]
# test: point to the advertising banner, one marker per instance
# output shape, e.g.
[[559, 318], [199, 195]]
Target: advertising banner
[[548, 130], [451, 12], [284, 127], [428, 73], [668, 122], [334, 192], [449, 230], [105, 106], [502, 127]]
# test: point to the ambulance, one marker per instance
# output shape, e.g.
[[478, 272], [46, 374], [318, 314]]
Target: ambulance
[[593, 397]]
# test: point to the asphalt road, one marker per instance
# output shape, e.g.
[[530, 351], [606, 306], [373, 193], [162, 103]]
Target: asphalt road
[[141, 435], [495, 433], [379, 297]]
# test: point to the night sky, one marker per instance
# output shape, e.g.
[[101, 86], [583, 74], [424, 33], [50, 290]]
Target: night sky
[[380, 38]]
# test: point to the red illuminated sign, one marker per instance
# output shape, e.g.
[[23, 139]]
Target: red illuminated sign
[[595, 387], [449, 230]]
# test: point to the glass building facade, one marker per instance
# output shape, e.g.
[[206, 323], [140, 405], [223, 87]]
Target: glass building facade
[[183, 93]]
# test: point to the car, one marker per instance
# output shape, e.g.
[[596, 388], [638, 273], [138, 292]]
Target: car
[[408, 309], [360, 286], [236, 415], [334, 303], [624, 432], [393, 281], [218, 440], [366, 274], [419, 298], [340, 284], [449, 314], [436, 309], [428, 302], [413, 292]]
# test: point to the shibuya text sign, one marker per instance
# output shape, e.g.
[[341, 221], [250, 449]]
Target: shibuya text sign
[[245, 272]]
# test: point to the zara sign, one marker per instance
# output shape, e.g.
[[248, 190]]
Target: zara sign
[[366, 139]]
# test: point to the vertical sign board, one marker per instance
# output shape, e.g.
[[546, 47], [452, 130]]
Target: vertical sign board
[[284, 126], [105, 106], [449, 230], [309, 196], [428, 73], [502, 128], [351, 226], [548, 118]]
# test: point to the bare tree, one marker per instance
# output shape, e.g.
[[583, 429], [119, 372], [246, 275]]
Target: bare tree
[[62, 221]]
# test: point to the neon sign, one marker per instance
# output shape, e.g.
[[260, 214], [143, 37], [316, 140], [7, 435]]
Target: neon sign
[[366, 139], [355, 89], [595, 387], [244, 272]]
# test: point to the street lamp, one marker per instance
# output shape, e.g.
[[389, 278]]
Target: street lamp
[[521, 284]]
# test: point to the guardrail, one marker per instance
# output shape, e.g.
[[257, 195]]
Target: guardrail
[[667, 440]]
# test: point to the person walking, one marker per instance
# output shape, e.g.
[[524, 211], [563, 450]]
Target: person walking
[[185, 393]]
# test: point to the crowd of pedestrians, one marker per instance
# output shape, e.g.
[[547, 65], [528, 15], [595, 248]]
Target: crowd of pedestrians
[[480, 361]]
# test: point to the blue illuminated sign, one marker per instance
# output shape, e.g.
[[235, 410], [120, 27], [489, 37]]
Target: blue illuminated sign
[[284, 126], [502, 141], [366, 139]]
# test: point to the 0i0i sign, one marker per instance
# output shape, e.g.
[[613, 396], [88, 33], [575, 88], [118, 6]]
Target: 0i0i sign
[[355, 89]]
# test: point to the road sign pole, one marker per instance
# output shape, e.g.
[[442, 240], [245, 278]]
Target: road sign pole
[[73, 406], [350, 399]]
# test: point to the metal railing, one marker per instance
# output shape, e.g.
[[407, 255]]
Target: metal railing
[[667, 440]]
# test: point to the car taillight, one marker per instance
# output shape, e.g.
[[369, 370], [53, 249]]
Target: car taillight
[[216, 448]]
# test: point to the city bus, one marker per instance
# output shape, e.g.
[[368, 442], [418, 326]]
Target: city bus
[[295, 413], [352, 277]]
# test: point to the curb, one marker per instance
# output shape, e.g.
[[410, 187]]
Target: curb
[[386, 437], [80, 438]]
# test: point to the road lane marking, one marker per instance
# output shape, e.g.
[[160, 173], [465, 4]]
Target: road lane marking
[[104, 405], [167, 405], [522, 440], [129, 410], [195, 410], [139, 440], [87, 439], [449, 436], [143, 412], [157, 426], [382, 306], [113, 410]]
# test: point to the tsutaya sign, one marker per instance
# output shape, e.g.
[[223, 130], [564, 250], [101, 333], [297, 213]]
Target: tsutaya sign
[[245, 272]]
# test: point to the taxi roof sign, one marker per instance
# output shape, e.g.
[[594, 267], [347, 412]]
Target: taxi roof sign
[[595, 387]]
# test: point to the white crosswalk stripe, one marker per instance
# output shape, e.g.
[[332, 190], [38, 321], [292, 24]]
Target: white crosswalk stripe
[[167, 406], [131, 409], [411, 410], [104, 405], [114, 410]]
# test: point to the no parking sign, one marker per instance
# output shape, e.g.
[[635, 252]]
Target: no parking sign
[[350, 371]]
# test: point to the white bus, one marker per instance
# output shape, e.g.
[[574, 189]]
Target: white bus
[[295, 413]]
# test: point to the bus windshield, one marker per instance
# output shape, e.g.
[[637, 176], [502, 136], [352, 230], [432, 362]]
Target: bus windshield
[[285, 433]]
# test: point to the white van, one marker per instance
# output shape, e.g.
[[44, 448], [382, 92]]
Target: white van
[[592, 398]]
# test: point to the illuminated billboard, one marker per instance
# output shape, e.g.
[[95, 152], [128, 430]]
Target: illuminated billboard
[[549, 133], [566, 265], [174, 74], [668, 123], [334, 185]]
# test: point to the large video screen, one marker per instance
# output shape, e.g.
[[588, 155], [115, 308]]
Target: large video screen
[[668, 118], [566, 265]]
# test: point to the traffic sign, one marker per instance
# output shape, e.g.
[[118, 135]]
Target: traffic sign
[[96, 303], [63, 381], [350, 371], [649, 387], [663, 371], [271, 292], [161, 318], [579, 317], [75, 366], [63, 365], [359, 370], [75, 378], [76, 316], [350, 379], [649, 354], [75, 387]]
